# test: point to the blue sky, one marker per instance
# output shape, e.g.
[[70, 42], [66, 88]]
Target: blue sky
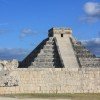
[[25, 23]]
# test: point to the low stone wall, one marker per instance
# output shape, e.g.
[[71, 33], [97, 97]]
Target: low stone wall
[[55, 80]]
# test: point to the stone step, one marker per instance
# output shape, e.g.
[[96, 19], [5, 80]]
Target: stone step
[[89, 59], [91, 65], [48, 47], [32, 66], [46, 54], [44, 60], [42, 64], [46, 51], [50, 42], [51, 38], [45, 63]]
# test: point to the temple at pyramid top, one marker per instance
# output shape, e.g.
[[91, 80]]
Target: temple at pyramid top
[[60, 50], [62, 31]]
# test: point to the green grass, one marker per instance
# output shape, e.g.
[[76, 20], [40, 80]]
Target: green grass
[[76, 96]]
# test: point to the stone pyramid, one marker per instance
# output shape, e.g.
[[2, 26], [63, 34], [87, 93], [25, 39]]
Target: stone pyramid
[[84, 56], [60, 50], [44, 55]]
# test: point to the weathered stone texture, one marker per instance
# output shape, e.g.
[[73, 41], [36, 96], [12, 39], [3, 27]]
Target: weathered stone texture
[[59, 80], [7, 77]]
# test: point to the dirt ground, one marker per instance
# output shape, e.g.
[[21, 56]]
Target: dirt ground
[[6, 98], [92, 96]]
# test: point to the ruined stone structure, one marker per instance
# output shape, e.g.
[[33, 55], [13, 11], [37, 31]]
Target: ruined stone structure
[[60, 50], [7, 79], [59, 64]]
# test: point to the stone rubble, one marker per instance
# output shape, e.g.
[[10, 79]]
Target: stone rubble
[[6, 67]]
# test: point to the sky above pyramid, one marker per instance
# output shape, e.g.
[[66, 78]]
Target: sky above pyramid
[[25, 23]]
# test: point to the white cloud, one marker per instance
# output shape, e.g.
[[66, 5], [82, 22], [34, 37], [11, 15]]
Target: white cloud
[[94, 40], [12, 53], [93, 45], [92, 8], [27, 32], [92, 12], [89, 19]]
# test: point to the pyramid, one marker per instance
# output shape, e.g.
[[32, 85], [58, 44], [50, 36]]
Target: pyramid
[[44, 55], [85, 57], [60, 50]]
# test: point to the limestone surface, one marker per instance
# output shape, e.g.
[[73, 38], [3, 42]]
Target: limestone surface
[[6, 68]]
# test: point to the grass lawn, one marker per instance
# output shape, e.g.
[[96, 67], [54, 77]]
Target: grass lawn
[[76, 96]]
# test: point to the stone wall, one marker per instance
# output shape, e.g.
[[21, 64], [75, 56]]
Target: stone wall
[[7, 79], [55, 80]]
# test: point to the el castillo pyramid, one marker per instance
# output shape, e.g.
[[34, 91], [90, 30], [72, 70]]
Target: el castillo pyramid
[[60, 50], [59, 64]]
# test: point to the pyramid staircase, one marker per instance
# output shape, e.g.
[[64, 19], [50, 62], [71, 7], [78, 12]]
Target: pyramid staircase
[[44, 56], [85, 57]]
